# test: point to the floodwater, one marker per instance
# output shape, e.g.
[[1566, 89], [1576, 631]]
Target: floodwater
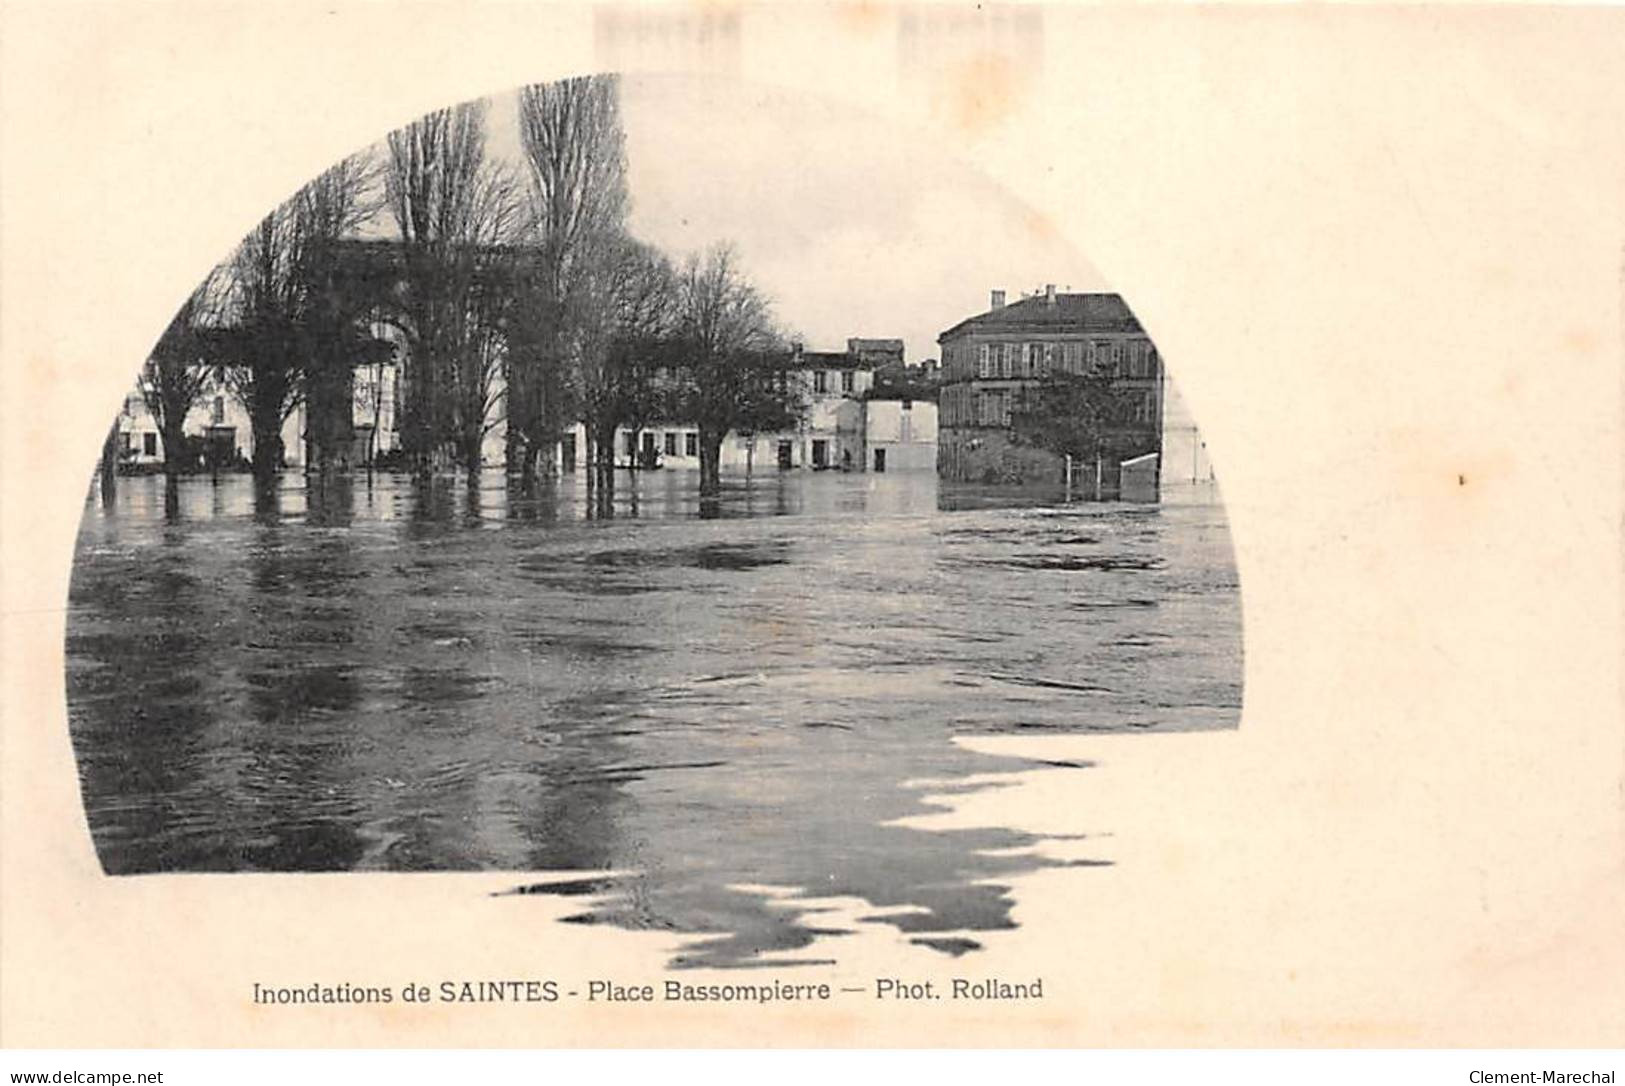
[[677, 710]]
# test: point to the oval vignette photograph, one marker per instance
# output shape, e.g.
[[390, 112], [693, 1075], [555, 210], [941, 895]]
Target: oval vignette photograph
[[642, 486]]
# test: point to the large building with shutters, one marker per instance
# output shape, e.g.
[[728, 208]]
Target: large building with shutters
[[993, 362]]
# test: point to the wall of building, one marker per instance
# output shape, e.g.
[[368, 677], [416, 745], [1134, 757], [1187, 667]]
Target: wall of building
[[986, 374], [904, 431], [828, 430], [902, 421], [993, 457], [990, 456], [853, 430], [1185, 459], [142, 444], [1138, 479]]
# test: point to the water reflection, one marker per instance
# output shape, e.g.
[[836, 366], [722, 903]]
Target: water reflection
[[387, 674]]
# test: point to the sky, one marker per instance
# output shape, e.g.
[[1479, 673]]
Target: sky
[[850, 225]]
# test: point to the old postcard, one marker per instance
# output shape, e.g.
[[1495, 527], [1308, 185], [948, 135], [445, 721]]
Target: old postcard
[[822, 525]]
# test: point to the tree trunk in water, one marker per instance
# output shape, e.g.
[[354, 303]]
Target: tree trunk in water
[[329, 418], [173, 436], [513, 447], [522, 463], [710, 463], [109, 468], [423, 465], [267, 499], [600, 479], [547, 454], [267, 447]]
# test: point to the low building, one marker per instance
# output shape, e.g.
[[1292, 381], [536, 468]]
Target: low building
[[826, 380], [893, 434], [994, 362], [217, 427]]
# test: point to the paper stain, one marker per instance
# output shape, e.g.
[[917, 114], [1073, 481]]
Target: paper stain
[[864, 16], [1581, 341], [1040, 226], [982, 90]]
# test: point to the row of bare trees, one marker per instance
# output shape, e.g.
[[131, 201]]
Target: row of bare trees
[[520, 293]]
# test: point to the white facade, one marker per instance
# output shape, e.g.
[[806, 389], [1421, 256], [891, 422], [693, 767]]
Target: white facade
[[838, 431], [217, 414], [900, 435], [822, 441], [1184, 452]]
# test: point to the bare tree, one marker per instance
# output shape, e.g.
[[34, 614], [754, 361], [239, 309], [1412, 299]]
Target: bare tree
[[575, 150], [176, 372], [731, 372], [331, 208], [107, 467], [294, 333], [263, 367], [480, 340], [623, 309], [455, 209]]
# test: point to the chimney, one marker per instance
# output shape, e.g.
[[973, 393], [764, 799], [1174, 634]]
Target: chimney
[[1049, 293], [998, 300]]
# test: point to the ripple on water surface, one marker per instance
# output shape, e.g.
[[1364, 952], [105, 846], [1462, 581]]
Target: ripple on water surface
[[726, 711]]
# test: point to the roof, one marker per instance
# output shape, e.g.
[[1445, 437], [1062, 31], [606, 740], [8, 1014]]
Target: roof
[[1068, 313], [827, 360]]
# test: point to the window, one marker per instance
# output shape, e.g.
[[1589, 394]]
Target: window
[[984, 361], [1074, 358], [820, 381], [1035, 360], [1101, 362], [671, 443], [1007, 359], [149, 444], [129, 441], [691, 444], [219, 412], [846, 380], [1004, 409]]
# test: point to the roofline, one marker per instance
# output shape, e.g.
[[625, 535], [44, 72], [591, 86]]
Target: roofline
[[1135, 328], [1020, 325]]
